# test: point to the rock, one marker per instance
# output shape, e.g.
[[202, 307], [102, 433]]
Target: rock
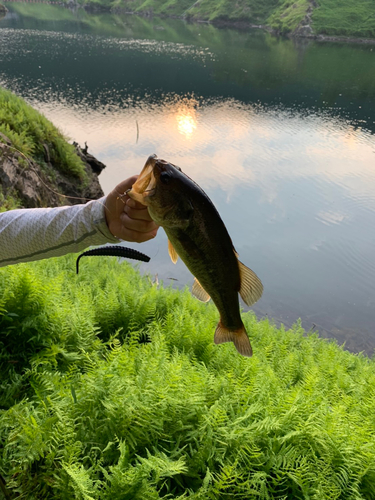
[[96, 165], [96, 8], [3, 11], [25, 180], [305, 30]]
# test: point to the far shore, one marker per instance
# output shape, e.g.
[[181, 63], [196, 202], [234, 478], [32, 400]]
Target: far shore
[[237, 24]]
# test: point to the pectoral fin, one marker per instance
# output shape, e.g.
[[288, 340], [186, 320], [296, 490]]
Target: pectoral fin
[[172, 252], [199, 292], [251, 287], [238, 337]]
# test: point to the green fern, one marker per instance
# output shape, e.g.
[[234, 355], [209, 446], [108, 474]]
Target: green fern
[[90, 410]]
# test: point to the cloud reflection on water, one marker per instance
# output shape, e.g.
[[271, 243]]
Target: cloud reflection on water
[[297, 194], [226, 144], [294, 183]]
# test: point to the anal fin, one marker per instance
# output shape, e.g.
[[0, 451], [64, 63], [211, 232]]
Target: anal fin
[[238, 337], [199, 292]]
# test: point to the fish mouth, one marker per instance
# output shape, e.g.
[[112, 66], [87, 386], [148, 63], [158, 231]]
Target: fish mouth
[[145, 185]]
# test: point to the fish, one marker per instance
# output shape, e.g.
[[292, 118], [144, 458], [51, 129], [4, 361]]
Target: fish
[[197, 234]]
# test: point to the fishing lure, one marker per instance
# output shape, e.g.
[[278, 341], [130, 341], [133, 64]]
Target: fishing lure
[[115, 251]]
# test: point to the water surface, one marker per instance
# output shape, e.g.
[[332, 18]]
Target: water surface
[[278, 133]]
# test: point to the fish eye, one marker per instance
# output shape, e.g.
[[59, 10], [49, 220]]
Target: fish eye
[[165, 177]]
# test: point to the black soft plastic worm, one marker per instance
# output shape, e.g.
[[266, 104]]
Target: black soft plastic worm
[[115, 251]]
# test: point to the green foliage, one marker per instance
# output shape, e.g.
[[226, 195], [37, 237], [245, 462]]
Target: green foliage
[[29, 131], [331, 17], [345, 18], [288, 15], [113, 389], [45, 11], [243, 10], [211, 10], [9, 201]]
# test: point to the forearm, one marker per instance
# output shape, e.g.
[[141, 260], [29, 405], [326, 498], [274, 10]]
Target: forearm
[[40, 233]]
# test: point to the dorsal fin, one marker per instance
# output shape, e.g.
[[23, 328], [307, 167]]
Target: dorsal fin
[[251, 287], [172, 252], [199, 292]]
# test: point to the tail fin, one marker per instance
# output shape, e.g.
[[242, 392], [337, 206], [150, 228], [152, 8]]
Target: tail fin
[[238, 337]]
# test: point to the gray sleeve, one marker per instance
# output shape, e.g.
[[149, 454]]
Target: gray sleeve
[[39, 233]]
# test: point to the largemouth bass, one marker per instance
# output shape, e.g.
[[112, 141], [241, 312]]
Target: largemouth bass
[[198, 235]]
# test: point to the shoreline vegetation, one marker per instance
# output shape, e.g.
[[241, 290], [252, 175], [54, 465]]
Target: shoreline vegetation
[[112, 388], [321, 20], [37, 165]]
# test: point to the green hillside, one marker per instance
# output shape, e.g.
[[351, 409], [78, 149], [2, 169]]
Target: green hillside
[[288, 15], [345, 18], [332, 17], [252, 11]]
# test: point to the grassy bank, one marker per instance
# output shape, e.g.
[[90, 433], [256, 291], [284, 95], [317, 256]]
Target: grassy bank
[[348, 18], [251, 11], [31, 133], [345, 18], [112, 388], [288, 15]]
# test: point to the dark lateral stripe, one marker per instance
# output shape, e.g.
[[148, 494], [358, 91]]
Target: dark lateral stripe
[[115, 251]]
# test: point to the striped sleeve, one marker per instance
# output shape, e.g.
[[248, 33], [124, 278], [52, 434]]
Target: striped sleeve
[[39, 233]]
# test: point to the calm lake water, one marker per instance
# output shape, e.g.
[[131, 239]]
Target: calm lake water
[[280, 134]]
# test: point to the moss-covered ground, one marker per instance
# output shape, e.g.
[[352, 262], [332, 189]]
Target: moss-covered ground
[[31, 132], [288, 15], [350, 18], [345, 18], [112, 388]]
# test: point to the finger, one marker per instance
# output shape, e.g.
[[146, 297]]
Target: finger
[[137, 237], [119, 193], [133, 204], [133, 235], [141, 225], [126, 184], [137, 213], [128, 229]]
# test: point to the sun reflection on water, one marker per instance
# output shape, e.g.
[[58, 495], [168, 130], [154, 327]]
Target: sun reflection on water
[[296, 192], [186, 118]]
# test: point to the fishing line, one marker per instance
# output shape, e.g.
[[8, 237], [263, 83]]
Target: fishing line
[[111, 250], [41, 180]]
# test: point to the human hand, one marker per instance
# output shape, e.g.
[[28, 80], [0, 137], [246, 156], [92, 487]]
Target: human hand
[[127, 219]]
